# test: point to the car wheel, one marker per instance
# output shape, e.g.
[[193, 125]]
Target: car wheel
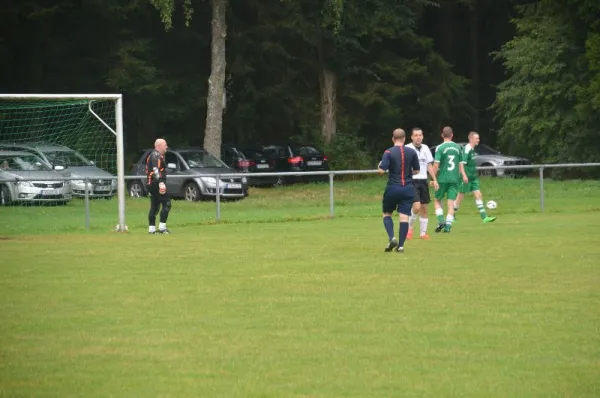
[[487, 173], [4, 196], [136, 190], [191, 192]]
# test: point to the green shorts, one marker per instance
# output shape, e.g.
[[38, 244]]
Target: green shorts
[[471, 186], [447, 189]]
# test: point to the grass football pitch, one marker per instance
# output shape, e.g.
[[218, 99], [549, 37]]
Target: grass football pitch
[[278, 300]]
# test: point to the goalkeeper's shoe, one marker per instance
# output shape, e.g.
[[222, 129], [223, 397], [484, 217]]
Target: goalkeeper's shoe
[[440, 226], [391, 245], [489, 219], [164, 231]]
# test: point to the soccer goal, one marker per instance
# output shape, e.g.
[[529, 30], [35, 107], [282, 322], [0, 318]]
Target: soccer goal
[[90, 124]]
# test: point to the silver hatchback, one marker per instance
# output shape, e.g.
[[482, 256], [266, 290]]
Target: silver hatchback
[[25, 178], [69, 162]]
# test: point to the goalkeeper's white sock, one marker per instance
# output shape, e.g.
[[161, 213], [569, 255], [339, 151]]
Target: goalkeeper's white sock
[[151, 228], [162, 226]]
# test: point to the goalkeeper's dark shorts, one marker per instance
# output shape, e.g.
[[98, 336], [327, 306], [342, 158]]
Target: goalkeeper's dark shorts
[[155, 195]]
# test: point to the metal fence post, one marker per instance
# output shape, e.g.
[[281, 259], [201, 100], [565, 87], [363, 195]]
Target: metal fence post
[[218, 197], [541, 189], [331, 204], [87, 203]]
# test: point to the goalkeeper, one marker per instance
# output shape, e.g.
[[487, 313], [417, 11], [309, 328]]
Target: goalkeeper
[[156, 186]]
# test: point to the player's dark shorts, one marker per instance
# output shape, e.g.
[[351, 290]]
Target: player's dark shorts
[[421, 191], [399, 198]]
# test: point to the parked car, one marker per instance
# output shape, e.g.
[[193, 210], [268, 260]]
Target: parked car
[[186, 163], [488, 156], [249, 161], [26, 178], [292, 158], [71, 163]]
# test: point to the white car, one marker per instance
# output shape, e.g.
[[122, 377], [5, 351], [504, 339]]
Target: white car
[[25, 178]]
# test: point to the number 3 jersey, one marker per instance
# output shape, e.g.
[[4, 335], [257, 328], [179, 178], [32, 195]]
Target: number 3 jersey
[[448, 154]]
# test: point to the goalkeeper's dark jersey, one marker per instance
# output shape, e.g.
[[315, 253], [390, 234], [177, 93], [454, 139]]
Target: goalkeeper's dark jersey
[[155, 168]]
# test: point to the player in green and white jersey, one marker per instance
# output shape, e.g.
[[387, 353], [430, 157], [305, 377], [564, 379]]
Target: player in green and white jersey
[[470, 165], [447, 162]]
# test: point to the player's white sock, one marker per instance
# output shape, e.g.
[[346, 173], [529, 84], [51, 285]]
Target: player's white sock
[[479, 204], [162, 226], [439, 213], [151, 228], [412, 219], [423, 223], [449, 219]]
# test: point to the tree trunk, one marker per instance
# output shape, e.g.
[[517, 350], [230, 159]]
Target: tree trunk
[[447, 29], [328, 85], [475, 75], [216, 81]]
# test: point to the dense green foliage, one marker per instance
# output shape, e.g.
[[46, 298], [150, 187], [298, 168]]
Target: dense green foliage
[[548, 106], [394, 64]]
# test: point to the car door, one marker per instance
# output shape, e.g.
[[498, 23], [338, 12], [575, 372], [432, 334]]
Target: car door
[[174, 185]]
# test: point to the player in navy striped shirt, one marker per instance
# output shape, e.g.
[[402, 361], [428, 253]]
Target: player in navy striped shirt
[[401, 163]]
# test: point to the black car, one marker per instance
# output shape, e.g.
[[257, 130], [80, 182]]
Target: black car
[[290, 158], [187, 163], [249, 161]]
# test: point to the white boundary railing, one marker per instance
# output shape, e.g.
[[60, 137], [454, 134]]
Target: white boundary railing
[[331, 174]]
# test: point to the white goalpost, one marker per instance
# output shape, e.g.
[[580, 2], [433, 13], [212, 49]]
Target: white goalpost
[[70, 118]]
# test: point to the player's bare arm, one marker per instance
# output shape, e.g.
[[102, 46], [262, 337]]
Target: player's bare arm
[[461, 168], [433, 173]]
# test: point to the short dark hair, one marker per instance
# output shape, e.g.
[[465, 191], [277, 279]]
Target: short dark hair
[[447, 132], [415, 129]]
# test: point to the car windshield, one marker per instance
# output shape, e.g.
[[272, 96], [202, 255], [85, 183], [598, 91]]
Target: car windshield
[[67, 159], [483, 149], [253, 154], [274, 151], [22, 163], [306, 151], [201, 159]]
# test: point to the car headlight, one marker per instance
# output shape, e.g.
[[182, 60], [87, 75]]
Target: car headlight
[[244, 180], [113, 183], [209, 180], [25, 183], [78, 182]]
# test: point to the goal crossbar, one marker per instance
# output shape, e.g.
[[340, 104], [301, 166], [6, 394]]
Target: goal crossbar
[[64, 96]]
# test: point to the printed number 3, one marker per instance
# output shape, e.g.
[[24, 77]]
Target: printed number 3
[[451, 164]]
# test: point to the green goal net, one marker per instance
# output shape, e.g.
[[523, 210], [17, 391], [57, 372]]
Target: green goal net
[[85, 126], [60, 148]]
